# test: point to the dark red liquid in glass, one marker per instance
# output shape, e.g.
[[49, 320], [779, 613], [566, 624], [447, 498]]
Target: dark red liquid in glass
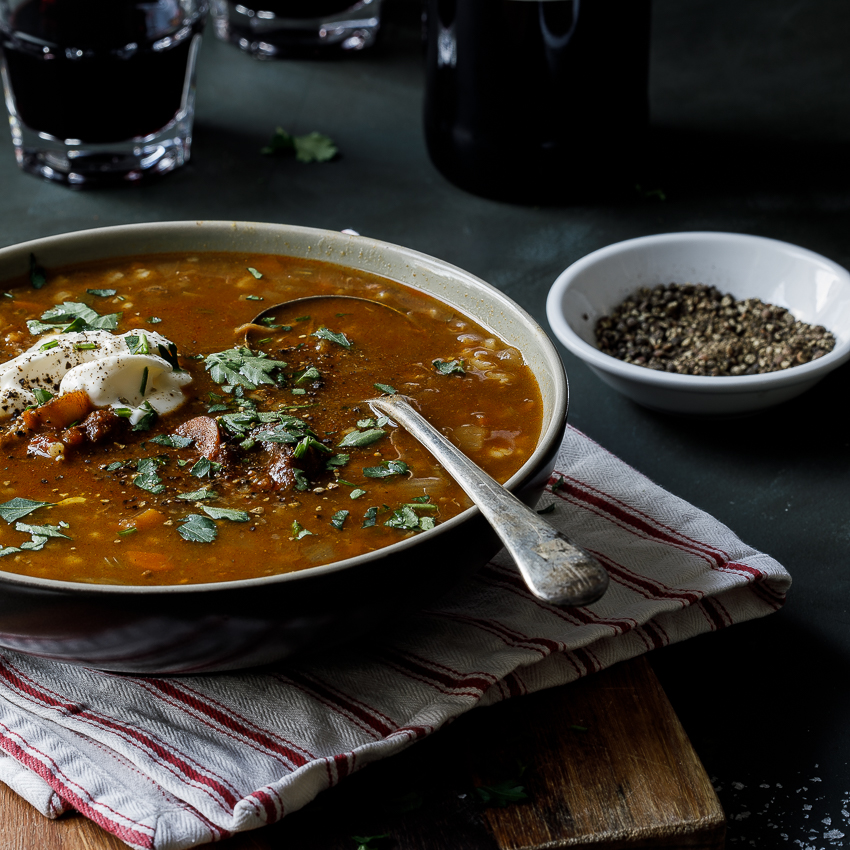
[[97, 70]]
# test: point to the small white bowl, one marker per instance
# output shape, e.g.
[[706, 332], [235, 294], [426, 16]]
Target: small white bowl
[[813, 288]]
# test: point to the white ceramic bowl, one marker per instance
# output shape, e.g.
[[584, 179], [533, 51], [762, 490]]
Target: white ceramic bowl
[[813, 288]]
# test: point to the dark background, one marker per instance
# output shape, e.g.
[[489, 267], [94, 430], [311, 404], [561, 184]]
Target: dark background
[[750, 105]]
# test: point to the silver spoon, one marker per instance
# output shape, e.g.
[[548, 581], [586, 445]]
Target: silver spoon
[[555, 569]]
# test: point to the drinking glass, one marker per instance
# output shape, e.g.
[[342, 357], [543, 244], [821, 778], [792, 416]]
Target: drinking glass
[[277, 28], [100, 91]]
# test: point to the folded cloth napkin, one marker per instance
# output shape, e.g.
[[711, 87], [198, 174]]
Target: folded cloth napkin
[[176, 762]]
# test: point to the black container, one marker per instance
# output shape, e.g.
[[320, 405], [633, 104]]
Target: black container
[[537, 101]]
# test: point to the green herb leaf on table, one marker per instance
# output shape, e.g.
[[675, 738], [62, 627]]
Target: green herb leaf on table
[[17, 508], [312, 147], [501, 794], [198, 529]]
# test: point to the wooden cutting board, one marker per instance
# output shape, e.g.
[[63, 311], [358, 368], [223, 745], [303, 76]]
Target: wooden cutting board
[[603, 763]]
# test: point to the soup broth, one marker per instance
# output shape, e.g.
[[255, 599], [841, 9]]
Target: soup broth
[[272, 462]]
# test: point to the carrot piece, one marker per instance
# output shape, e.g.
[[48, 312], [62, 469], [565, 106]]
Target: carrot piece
[[59, 412], [151, 518], [153, 561]]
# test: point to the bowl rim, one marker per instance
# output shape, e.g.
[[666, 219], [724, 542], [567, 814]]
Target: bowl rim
[[806, 372], [552, 432]]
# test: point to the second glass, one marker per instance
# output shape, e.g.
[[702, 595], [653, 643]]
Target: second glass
[[100, 91], [271, 29]]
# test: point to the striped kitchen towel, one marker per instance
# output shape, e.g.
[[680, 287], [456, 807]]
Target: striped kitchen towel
[[176, 762]]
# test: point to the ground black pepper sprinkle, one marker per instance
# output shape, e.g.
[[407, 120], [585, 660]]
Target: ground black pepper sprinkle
[[694, 329]]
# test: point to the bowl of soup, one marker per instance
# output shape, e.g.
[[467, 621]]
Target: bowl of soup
[[193, 482]]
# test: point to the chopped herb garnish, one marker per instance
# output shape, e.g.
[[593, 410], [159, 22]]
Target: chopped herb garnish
[[338, 519], [154, 320], [254, 272], [226, 513], [302, 483], [308, 375], [558, 484], [42, 396], [332, 336], [102, 293], [48, 345], [173, 441], [85, 346], [127, 531], [298, 530], [370, 517], [40, 530], [37, 276], [169, 354], [197, 495], [306, 444], [386, 388], [423, 500], [299, 391], [18, 508], [241, 367], [144, 384], [449, 367], [202, 468], [359, 439], [198, 529], [117, 464], [254, 298], [123, 412], [386, 469], [147, 420], [138, 344], [356, 493], [73, 316], [147, 476], [336, 461]]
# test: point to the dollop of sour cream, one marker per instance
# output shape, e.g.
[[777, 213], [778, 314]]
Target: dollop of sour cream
[[99, 363]]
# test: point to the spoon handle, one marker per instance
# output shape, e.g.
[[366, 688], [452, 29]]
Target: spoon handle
[[555, 569]]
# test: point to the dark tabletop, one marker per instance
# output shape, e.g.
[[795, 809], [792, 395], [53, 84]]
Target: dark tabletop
[[750, 107]]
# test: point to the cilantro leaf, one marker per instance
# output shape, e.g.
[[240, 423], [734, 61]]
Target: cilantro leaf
[[449, 367], [150, 416], [173, 441], [241, 367], [386, 388], [198, 529], [197, 495], [18, 508], [40, 530], [225, 513], [359, 439], [386, 469], [338, 519], [255, 273], [298, 530], [336, 461], [501, 794], [312, 147], [102, 293], [332, 336], [370, 517]]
